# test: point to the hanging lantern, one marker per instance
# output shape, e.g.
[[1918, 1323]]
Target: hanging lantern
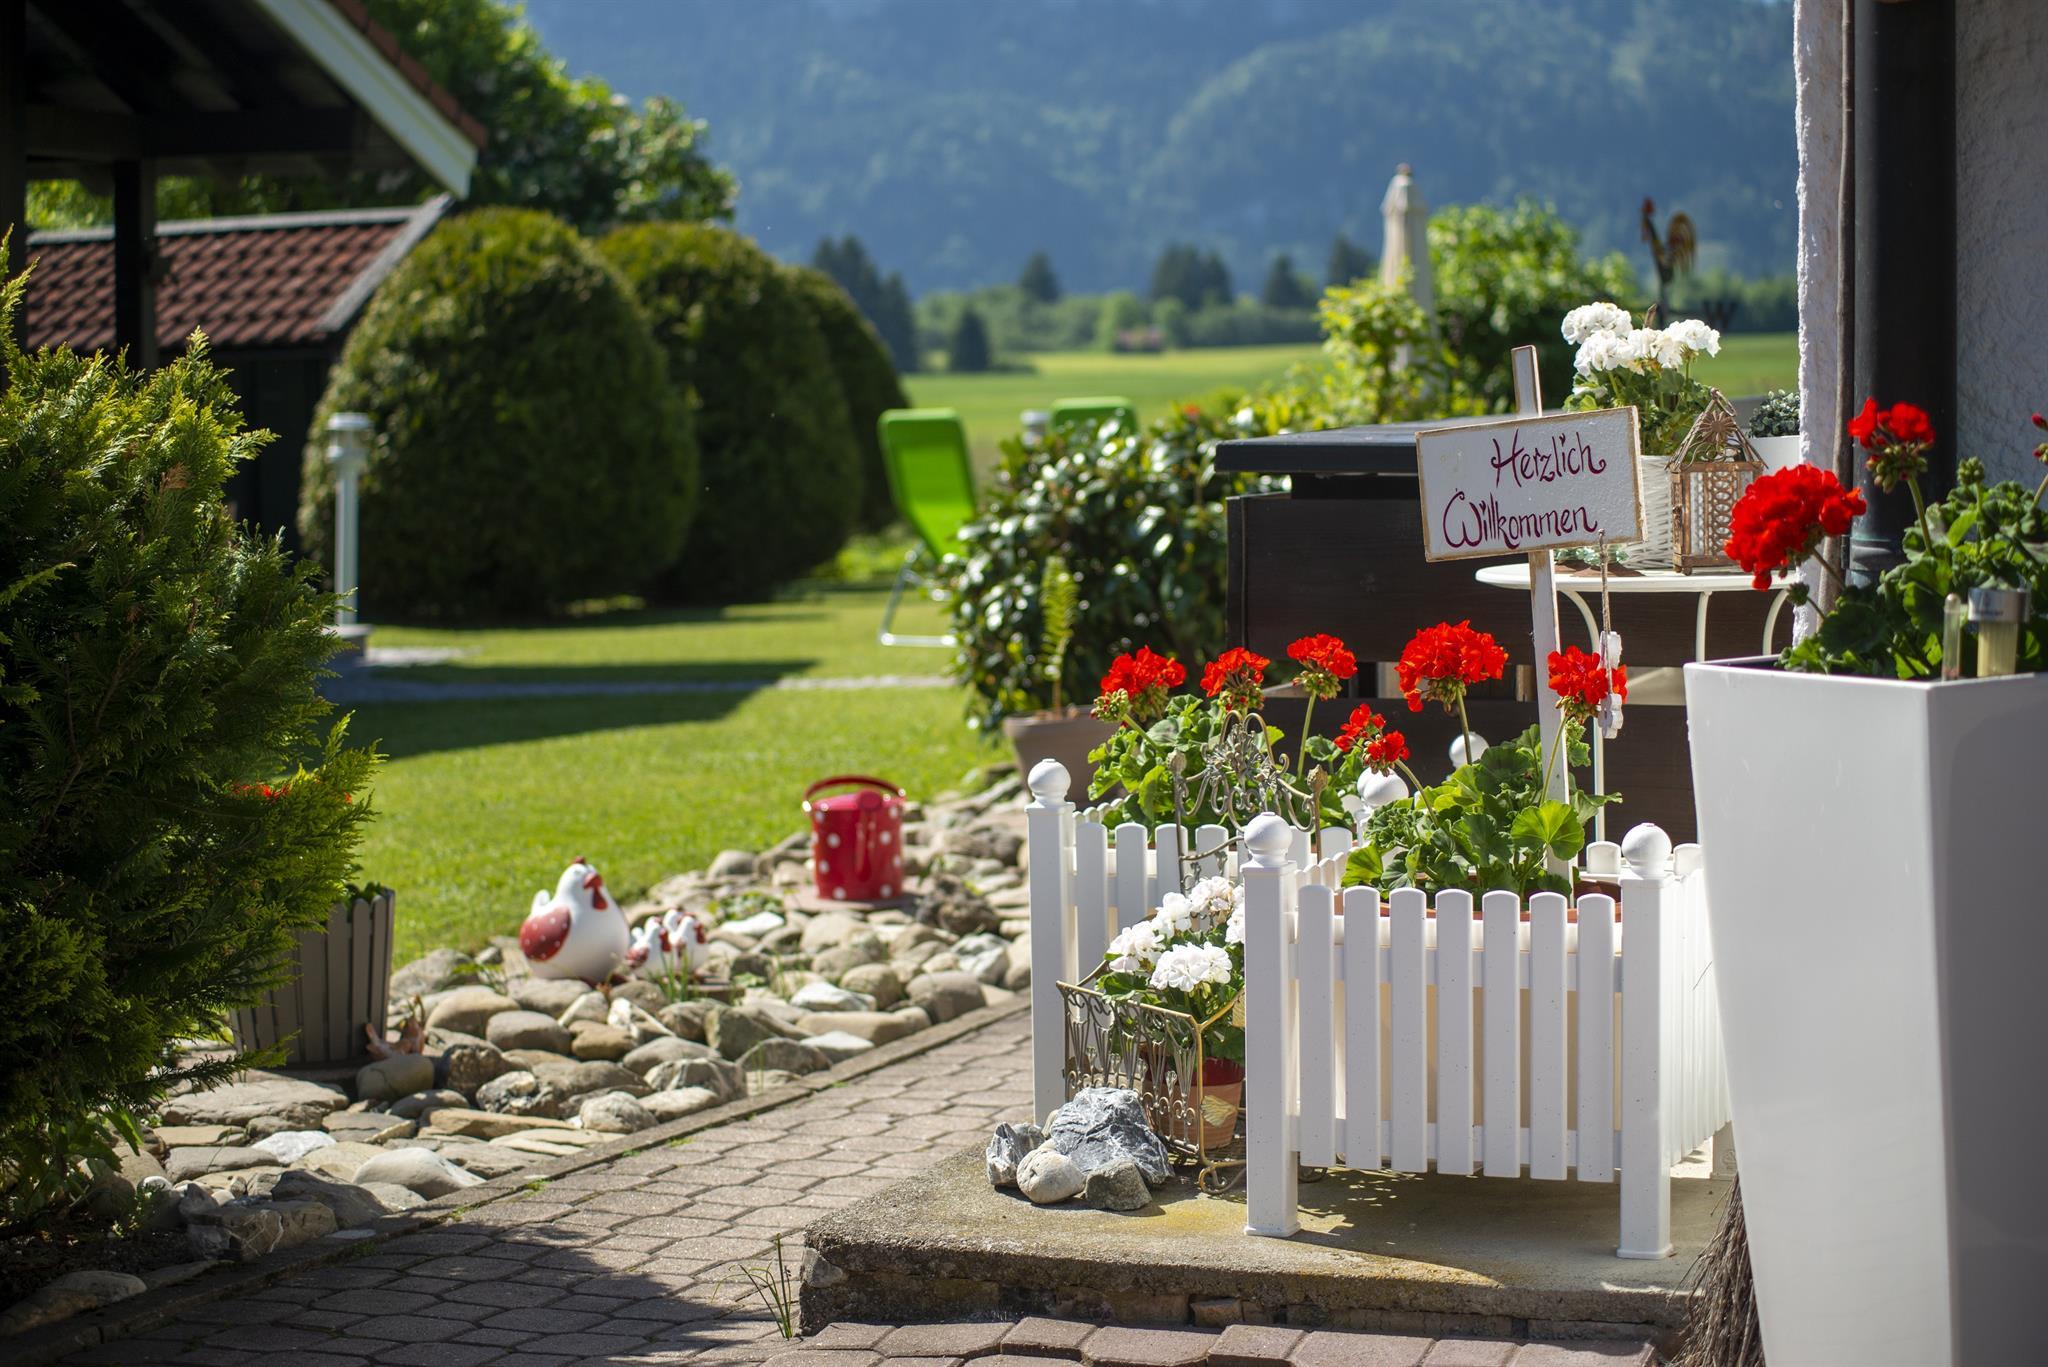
[[1710, 472]]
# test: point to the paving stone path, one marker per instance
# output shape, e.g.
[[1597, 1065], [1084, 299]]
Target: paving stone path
[[636, 1262]]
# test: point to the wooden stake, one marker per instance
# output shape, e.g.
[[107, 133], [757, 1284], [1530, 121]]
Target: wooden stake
[[1542, 584]]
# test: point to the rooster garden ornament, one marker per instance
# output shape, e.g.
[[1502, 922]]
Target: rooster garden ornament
[[579, 932]]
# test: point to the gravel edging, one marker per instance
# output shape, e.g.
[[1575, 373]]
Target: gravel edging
[[124, 1319]]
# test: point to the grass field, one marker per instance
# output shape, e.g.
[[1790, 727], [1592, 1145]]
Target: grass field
[[483, 801], [989, 405]]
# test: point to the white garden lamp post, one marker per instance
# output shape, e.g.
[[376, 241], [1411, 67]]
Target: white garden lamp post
[[348, 450]]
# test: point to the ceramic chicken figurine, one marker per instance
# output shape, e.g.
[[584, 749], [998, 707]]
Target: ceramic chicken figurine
[[579, 932], [673, 943]]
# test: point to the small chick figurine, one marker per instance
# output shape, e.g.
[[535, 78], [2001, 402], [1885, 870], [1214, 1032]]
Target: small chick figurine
[[673, 943], [576, 933]]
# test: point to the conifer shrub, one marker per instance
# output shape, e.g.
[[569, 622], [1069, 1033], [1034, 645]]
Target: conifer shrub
[[867, 381], [781, 480], [529, 451], [174, 800]]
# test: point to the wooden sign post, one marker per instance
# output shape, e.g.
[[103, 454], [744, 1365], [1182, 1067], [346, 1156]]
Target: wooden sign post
[[1533, 484]]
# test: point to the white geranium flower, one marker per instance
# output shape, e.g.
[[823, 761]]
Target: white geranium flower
[[1696, 336], [1176, 915], [1602, 351], [1638, 345], [1591, 320], [1233, 930], [1185, 968], [1134, 949], [1665, 348]]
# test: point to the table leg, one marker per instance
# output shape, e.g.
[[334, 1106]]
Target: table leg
[[1699, 626], [1592, 623], [1771, 621]]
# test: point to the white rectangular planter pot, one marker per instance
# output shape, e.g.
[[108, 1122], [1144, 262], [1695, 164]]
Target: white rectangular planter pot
[[1874, 856]]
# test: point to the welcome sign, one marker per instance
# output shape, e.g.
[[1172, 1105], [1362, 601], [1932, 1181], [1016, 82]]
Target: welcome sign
[[1530, 484]]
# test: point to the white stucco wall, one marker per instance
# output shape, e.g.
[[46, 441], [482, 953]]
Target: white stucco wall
[[2001, 225]]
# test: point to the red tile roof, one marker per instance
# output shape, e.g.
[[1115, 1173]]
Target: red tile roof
[[275, 280]]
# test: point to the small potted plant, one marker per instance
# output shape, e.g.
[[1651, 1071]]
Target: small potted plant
[[1055, 730], [1774, 429], [1866, 803], [1620, 365]]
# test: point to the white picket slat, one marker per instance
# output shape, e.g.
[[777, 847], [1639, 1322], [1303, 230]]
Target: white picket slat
[[1333, 842], [1454, 1032], [1500, 978], [1298, 849], [1168, 844], [1209, 843], [1315, 956], [1408, 1037], [1595, 1117], [1362, 1028], [1547, 1076], [1091, 897], [1132, 875]]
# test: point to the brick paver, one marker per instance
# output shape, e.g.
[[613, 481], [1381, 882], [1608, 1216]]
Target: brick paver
[[637, 1261]]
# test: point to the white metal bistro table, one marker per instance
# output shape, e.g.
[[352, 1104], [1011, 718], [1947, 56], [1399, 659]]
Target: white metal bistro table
[[1705, 584]]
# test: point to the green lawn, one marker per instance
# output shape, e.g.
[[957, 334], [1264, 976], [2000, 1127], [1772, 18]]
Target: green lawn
[[483, 801], [1753, 362], [989, 405]]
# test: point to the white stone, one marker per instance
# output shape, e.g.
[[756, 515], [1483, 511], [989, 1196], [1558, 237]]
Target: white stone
[[823, 996], [417, 1170], [679, 1102], [838, 1045], [636, 1022], [1046, 1175], [613, 1113], [755, 926], [591, 1006], [289, 1146]]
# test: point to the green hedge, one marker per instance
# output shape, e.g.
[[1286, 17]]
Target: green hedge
[[781, 475], [867, 381], [157, 668], [529, 449]]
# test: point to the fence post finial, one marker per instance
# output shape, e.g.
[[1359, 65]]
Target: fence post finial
[[1269, 838], [1647, 850], [1049, 781]]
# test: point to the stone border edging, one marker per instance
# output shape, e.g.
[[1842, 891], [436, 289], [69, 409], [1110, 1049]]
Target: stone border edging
[[123, 1319]]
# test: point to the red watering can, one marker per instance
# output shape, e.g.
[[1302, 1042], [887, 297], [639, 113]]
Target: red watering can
[[856, 839]]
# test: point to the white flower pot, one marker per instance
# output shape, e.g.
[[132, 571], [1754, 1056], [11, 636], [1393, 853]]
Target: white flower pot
[[1653, 552], [1777, 452], [1880, 931]]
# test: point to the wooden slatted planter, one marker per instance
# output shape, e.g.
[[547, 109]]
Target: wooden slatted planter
[[341, 976]]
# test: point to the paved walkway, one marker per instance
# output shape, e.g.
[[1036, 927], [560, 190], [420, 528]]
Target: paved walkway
[[636, 1262]]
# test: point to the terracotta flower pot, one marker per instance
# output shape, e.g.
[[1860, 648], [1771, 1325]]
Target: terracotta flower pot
[[1066, 735]]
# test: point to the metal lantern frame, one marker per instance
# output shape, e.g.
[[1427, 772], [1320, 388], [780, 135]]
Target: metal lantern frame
[[1711, 470]]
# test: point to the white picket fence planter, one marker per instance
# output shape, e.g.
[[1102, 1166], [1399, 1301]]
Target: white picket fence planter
[[1399, 1047]]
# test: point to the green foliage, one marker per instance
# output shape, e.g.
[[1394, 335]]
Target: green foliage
[[1134, 770], [1191, 275], [1016, 322], [1038, 282], [1382, 363], [1777, 415], [564, 145], [883, 301], [967, 350], [1347, 262], [1505, 278], [1120, 313], [1059, 600], [781, 477], [1984, 535], [1486, 827], [529, 449], [157, 665], [1284, 289], [867, 381], [1767, 303], [1138, 518], [1242, 322]]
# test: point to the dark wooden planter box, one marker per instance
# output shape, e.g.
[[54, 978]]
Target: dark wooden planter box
[[341, 976]]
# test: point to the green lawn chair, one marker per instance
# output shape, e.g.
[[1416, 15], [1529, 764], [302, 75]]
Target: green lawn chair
[[932, 480], [1099, 409]]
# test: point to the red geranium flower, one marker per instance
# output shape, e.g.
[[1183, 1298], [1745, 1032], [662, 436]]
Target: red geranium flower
[[1782, 516], [1581, 682], [1897, 438], [1910, 424], [1444, 660], [1324, 664], [1144, 679], [1383, 752], [1237, 674], [1364, 722]]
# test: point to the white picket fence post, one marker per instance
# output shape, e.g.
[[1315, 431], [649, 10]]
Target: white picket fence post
[[1272, 1175], [1048, 829], [1646, 906]]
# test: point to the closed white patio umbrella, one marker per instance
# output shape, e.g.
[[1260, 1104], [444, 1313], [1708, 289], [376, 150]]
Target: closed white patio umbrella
[[1405, 218]]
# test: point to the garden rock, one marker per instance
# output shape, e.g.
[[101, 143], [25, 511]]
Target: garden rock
[[734, 1031], [183, 1165], [731, 864], [716, 1075], [599, 1076], [518, 1029], [750, 964], [755, 926], [1046, 1175], [387, 1079], [1117, 1186], [351, 1204], [829, 930], [688, 1019], [588, 1006], [394, 1197], [488, 1124], [1002, 844], [550, 996], [376, 1127], [641, 993], [784, 1055], [668, 1049], [266, 1097], [918, 956], [1008, 1147], [432, 972], [468, 1010], [338, 1161], [614, 1113], [421, 1104], [187, 1136], [246, 1229], [679, 1102], [1102, 1125], [1017, 965], [837, 1045], [834, 964], [985, 957], [519, 1094], [945, 996], [290, 1146], [879, 982], [466, 1067], [637, 1022], [826, 997], [599, 1040], [489, 1160], [417, 1170], [71, 1294], [876, 1027], [948, 902]]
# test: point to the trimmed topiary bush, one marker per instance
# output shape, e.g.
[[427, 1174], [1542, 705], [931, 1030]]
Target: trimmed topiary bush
[[867, 381], [172, 805], [529, 450], [781, 475]]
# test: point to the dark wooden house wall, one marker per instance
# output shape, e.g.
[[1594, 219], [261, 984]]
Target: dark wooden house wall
[[279, 389]]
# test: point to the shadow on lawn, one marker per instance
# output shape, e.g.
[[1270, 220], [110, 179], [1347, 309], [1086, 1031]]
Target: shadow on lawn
[[405, 729], [570, 676]]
